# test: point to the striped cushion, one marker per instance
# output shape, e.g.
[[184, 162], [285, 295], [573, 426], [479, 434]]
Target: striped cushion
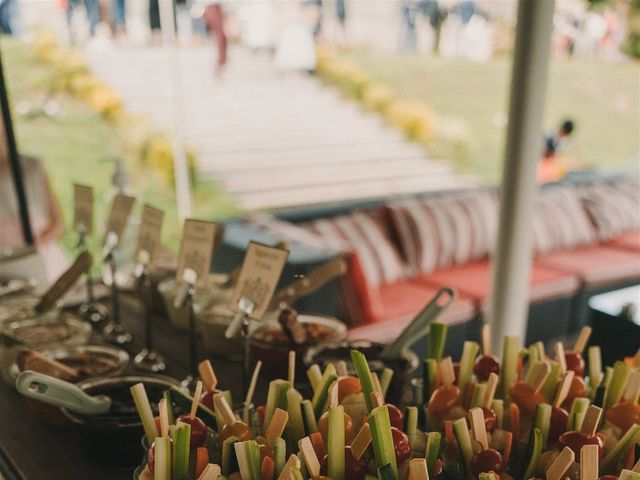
[[365, 234], [559, 220], [614, 207], [440, 232], [287, 231]]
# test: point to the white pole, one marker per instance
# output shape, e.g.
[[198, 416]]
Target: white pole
[[180, 167], [512, 260]]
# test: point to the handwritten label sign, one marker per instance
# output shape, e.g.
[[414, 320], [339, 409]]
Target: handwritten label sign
[[196, 248], [120, 211], [83, 209], [150, 229], [261, 270]]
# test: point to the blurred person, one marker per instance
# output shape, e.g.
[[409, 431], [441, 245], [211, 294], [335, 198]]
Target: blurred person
[[295, 50], [154, 21], [552, 168], [409, 18], [7, 16], [258, 24], [214, 20], [92, 10], [46, 216], [341, 16], [119, 16]]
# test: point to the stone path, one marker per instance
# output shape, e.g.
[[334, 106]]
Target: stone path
[[271, 139]]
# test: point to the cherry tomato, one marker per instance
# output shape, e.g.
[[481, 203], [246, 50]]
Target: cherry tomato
[[238, 429], [396, 416], [261, 411], [355, 469], [401, 445], [319, 446], [201, 462], [484, 366], [575, 362], [490, 419], [443, 399], [456, 371], [558, 424], [576, 440], [348, 386], [198, 430], [526, 398], [578, 389], [489, 460], [624, 415], [207, 399], [323, 426]]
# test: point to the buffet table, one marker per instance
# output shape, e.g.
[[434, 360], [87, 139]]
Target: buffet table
[[35, 451]]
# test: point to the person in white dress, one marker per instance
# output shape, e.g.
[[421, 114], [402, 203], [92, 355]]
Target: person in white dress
[[296, 50]]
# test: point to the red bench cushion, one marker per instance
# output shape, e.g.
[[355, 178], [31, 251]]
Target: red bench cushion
[[474, 280], [596, 265], [398, 303], [627, 241]]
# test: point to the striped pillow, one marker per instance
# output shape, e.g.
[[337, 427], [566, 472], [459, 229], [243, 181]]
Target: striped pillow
[[365, 234], [559, 220], [614, 207], [440, 232]]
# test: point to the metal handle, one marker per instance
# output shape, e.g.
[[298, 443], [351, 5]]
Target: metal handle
[[59, 393]]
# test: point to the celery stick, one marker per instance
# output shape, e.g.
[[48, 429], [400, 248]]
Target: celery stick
[[309, 417], [296, 474], [180, 437], [595, 365], [411, 423], [385, 380], [143, 407], [479, 393], [532, 455], [335, 443], [304, 471], [437, 339], [162, 459], [577, 413], [536, 352], [321, 395], [463, 438], [314, 375], [252, 450], [417, 393], [486, 476], [498, 407], [294, 408], [621, 448], [276, 398], [279, 454], [364, 375], [184, 401], [432, 451], [542, 420], [382, 440], [387, 473], [429, 379], [467, 362], [370, 477], [616, 386], [170, 414], [509, 370], [551, 383], [229, 463]]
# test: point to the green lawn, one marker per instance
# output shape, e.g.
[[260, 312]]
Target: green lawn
[[603, 100], [78, 146]]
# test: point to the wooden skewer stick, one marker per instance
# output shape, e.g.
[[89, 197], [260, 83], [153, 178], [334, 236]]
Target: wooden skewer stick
[[196, 399], [276, 425], [341, 368], [252, 388], [446, 372], [478, 427], [583, 338], [223, 407], [485, 335], [210, 472], [376, 382], [207, 375], [418, 469], [376, 399], [563, 388], [589, 462], [164, 418], [560, 358], [37, 357], [539, 376], [632, 392], [561, 464], [293, 462], [292, 367], [309, 456], [361, 442], [591, 421], [492, 384], [636, 467]]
